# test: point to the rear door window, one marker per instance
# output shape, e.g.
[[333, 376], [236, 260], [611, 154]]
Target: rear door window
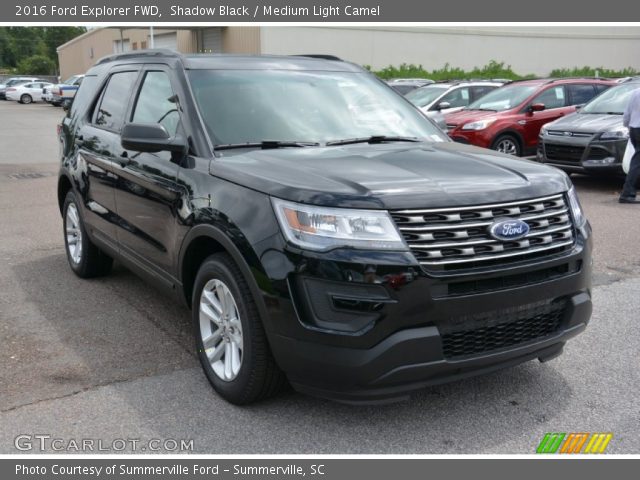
[[580, 94], [113, 104]]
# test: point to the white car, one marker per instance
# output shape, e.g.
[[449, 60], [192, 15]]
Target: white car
[[449, 97], [27, 92]]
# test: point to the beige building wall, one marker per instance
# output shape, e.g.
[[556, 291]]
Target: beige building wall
[[536, 50], [79, 54], [241, 40]]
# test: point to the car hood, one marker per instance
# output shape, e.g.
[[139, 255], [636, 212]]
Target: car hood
[[465, 116], [388, 176], [586, 122]]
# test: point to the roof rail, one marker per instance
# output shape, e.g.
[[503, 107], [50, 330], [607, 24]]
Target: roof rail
[[319, 55], [158, 52], [551, 80], [458, 81]]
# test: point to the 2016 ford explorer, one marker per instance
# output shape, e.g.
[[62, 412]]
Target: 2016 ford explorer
[[323, 231]]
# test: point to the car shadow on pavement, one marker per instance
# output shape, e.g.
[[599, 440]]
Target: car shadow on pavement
[[121, 334]]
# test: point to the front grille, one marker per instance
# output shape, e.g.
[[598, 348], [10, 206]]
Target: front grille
[[479, 333], [562, 133], [458, 238], [504, 282], [568, 153]]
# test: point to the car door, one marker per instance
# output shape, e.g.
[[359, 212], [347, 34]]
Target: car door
[[554, 99], [98, 143], [148, 194]]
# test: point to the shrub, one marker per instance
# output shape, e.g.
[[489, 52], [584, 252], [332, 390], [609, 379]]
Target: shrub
[[36, 65]]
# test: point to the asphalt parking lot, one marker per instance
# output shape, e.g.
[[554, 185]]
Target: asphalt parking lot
[[112, 358]]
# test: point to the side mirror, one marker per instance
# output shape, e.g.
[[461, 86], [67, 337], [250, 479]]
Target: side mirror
[[537, 107], [443, 106], [150, 137]]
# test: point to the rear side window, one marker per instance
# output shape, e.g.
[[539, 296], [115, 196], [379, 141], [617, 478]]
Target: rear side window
[[113, 104], [156, 102], [481, 91], [553, 97], [580, 94]]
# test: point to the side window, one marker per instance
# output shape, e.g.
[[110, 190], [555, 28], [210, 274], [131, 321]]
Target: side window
[[601, 88], [156, 102], [580, 94], [113, 104], [481, 91], [457, 98], [553, 97]]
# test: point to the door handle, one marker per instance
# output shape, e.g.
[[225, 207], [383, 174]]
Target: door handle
[[79, 140]]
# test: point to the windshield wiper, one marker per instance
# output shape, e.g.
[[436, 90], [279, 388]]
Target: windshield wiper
[[482, 109], [373, 139], [265, 144]]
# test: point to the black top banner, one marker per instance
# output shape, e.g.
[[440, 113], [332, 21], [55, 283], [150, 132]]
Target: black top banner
[[248, 11]]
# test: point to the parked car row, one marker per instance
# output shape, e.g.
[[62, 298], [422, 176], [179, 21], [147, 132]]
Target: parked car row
[[14, 82], [28, 90], [573, 123]]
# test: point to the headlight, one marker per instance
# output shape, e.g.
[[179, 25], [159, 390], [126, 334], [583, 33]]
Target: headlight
[[479, 125], [576, 208], [620, 133], [544, 130], [323, 228]]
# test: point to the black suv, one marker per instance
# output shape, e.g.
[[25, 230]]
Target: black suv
[[321, 228]]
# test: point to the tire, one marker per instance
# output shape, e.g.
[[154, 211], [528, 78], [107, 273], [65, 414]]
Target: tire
[[237, 359], [26, 99], [85, 259], [507, 142]]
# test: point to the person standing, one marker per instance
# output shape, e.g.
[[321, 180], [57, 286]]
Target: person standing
[[631, 120]]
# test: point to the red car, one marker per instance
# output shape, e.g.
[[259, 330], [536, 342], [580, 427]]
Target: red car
[[509, 118]]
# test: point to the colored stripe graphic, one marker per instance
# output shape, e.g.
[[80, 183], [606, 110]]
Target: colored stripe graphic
[[573, 442], [550, 443], [598, 443]]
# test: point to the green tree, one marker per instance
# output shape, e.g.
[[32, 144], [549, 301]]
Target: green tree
[[53, 37], [36, 65]]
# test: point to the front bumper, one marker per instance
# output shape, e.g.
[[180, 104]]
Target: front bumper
[[582, 154], [479, 138], [386, 343]]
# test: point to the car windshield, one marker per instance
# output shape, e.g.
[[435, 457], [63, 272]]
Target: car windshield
[[503, 98], [612, 101], [422, 97], [303, 106]]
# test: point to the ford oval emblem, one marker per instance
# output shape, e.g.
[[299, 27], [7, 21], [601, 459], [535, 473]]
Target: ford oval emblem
[[508, 229]]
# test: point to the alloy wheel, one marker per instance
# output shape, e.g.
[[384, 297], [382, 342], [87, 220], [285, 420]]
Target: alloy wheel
[[507, 146], [221, 330], [74, 234]]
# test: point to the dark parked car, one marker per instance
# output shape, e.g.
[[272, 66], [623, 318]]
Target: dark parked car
[[322, 230], [509, 119], [592, 140]]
